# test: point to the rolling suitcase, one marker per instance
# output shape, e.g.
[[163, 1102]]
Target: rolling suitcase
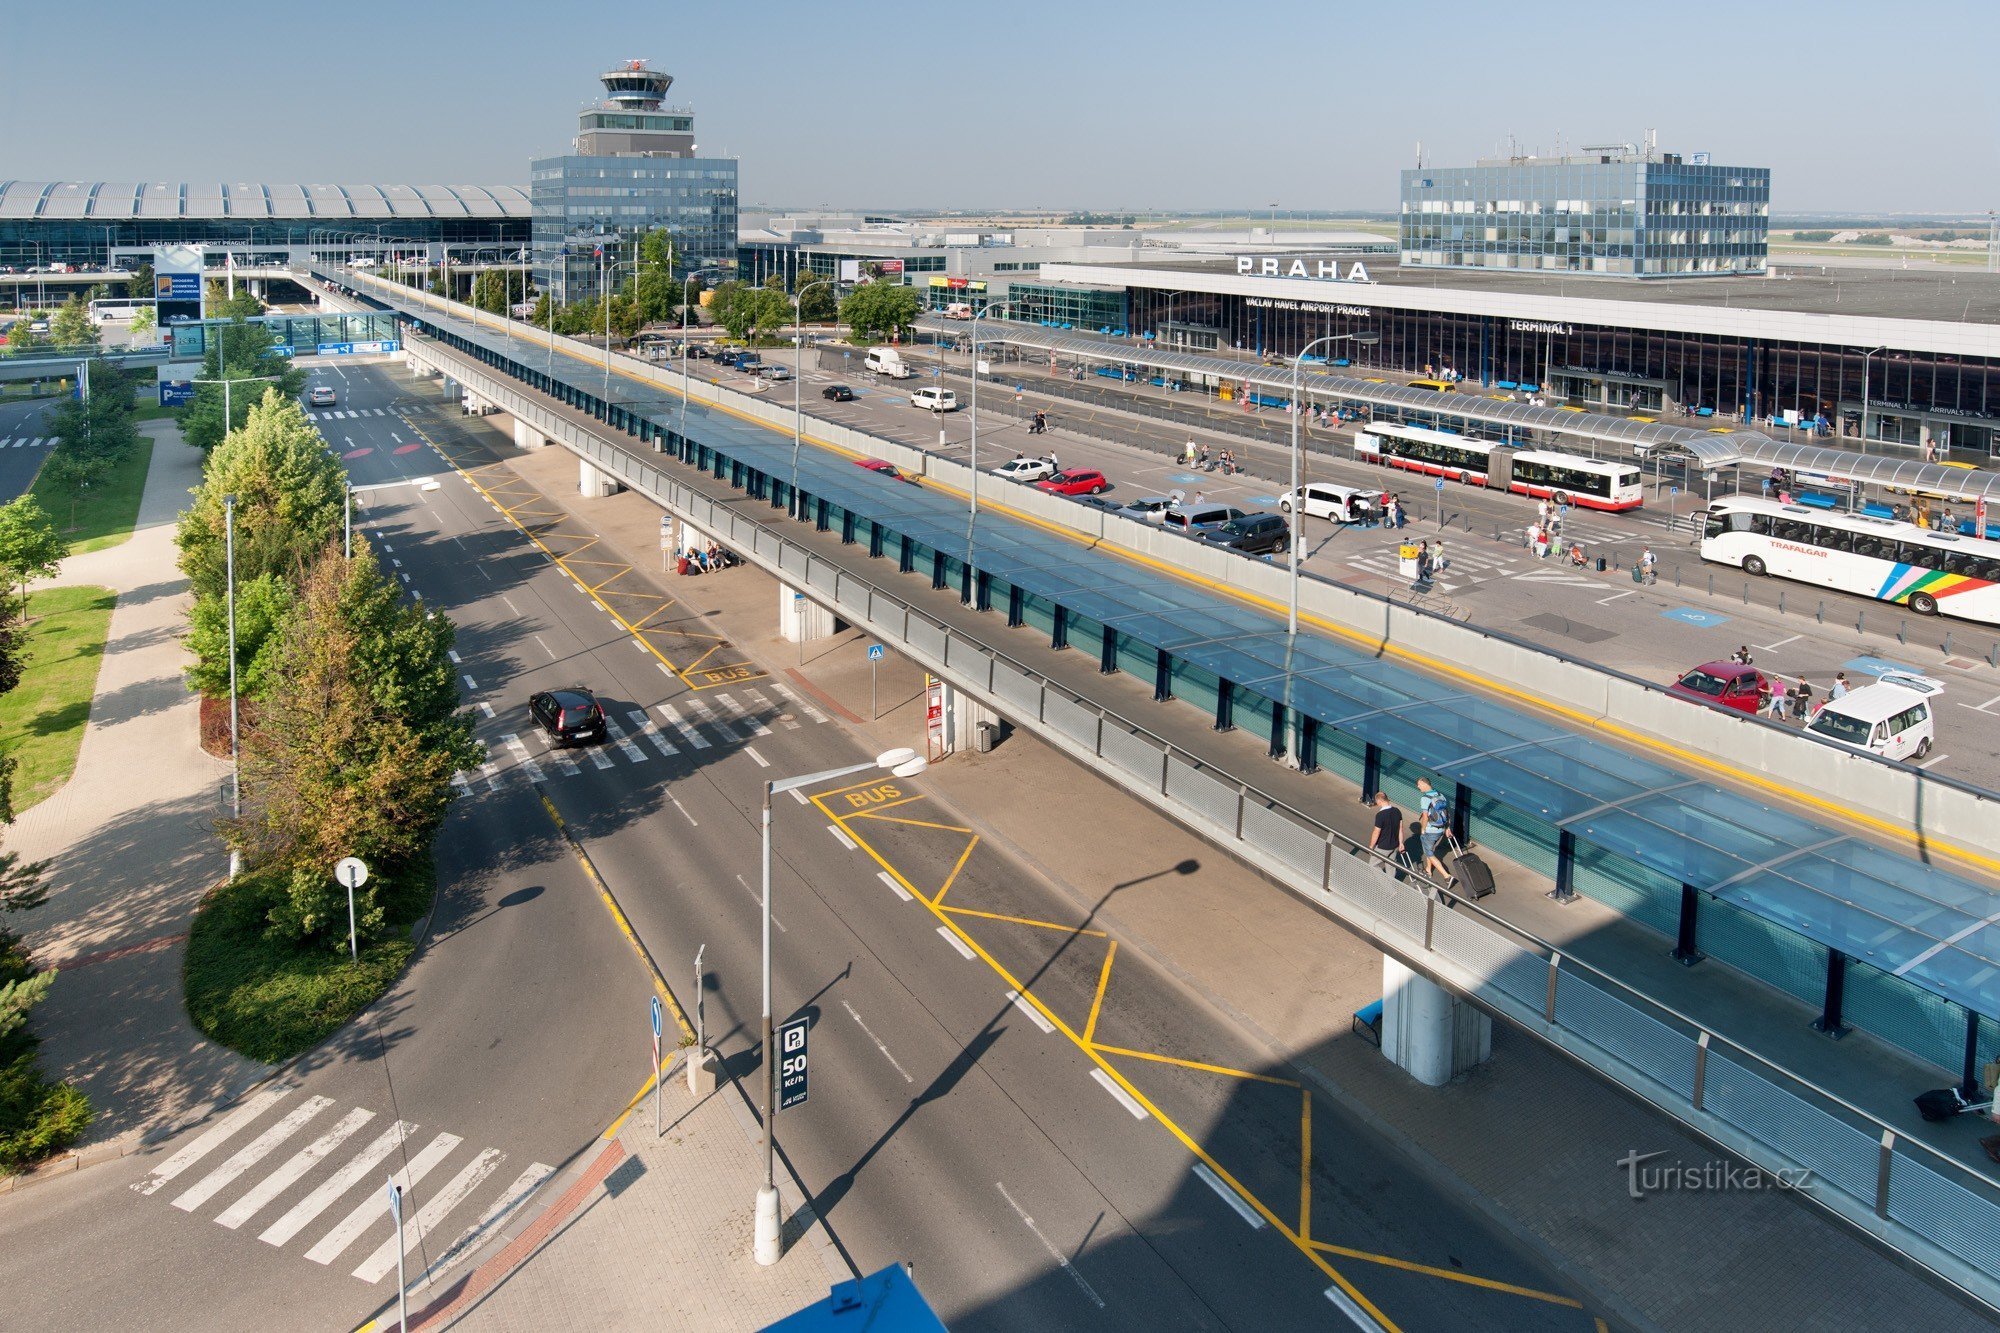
[[1475, 878]]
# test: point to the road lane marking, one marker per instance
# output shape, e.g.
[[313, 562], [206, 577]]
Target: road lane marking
[[758, 898], [799, 796], [878, 1042], [598, 757], [762, 762], [374, 1205], [1606, 601], [1054, 1253], [295, 1166], [510, 604], [213, 1138], [1355, 1314], [517, 1193], [452, 653], [1772, 647], [837, 832], [254, 1152], [486, 708], [687, 733], [798, 702], [1125, 1099], [703, 713], [650, 729], [522, 758], [890, 880], [945, 933], [545, 647], [383, 1262], [762, 701], [1230, 1197], [470, 683], [624, 742], [306, 1209], [743, 715], [1034, 1015]]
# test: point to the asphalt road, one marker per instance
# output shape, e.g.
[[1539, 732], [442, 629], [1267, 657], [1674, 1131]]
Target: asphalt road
[[24, 443], [1697, 613], [947, 1128], [510, 1043]]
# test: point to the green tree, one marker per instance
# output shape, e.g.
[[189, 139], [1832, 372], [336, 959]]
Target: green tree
[[731, 309], [544, 309], [243, 305], [819, 300], [880, 310], [770, 311], [72, 326], [21, 335], [30, 546], [653, 286], [489, 292], [245, 353], [139, 287], [144, 322], [262, 604], [289, 496], [336, 766], [75, 471]]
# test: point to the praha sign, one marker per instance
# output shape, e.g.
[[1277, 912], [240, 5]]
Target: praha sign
[[1270, 266]]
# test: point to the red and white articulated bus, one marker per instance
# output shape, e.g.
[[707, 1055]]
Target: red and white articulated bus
[[1590, 482]]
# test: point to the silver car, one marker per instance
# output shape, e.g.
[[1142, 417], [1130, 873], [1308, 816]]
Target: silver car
[[1147, 510]]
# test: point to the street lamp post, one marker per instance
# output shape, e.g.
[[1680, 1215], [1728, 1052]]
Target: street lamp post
[[972, 448], [798, 373], [1864, 394], [902, 763], [1298, 501], [235, 751], [228, 417]]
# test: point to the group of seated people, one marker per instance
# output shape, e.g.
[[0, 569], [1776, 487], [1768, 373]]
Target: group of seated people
[[700, 560]]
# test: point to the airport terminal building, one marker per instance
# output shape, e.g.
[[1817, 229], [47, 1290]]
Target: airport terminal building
[[1919, 351]]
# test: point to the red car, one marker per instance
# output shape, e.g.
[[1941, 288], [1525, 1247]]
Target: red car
[[1725, 685], [885, 467], [1076, 481]]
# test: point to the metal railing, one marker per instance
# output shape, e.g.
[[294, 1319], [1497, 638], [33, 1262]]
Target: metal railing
[[1939, 1212]]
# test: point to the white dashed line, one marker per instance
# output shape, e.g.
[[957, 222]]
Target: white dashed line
[[470, 683], [762, 762], [845, 841], [1125, 1099], [1033, 1014], [1355, 1314], [894, 887], [955, 942], [1054, 1253], [486, 708], [1230, 1196], [878, 1042]]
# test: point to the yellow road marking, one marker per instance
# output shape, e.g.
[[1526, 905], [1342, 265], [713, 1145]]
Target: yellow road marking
[[952, 878], [1583, 720], [1193, 1064], [1097, 1001], [1452, 1275], [917, 823], [1186, 1140], [869, 813], [611, 1130], [1022, 921], [1305, 1162]]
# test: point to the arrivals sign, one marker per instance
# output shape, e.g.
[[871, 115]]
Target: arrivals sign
[[1270, 266]]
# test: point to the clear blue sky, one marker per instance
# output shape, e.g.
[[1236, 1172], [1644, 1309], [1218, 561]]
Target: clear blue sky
[[1031, 104]]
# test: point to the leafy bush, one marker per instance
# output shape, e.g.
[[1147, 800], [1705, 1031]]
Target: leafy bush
[[37, 1117]]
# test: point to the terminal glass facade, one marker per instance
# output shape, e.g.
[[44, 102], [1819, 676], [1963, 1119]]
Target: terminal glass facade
[[1631, 217], [1072, 306], [576, 200]]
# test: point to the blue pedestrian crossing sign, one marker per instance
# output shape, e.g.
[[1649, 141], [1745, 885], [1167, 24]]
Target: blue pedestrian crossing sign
[[1438, 484], [875, 652]]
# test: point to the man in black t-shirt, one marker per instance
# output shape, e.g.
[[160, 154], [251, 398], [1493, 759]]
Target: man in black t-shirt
[[1387, 840]]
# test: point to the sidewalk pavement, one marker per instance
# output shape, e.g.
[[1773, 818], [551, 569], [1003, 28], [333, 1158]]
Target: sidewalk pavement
[[130, 845], [652, 1233], [1530, 1138]]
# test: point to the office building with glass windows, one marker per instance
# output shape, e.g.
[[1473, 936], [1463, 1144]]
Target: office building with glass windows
[[635, 169], [1615, 210]]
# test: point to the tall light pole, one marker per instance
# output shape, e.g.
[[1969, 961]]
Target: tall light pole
[[1864, 394], [1167, 326], [235, 750], [902, 763], [798, 373], [972, 450], [1298, 501], [228, 418], [687, 286]]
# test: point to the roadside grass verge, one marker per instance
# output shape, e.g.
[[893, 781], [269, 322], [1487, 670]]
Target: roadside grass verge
[[41, 719], [105, 516], [270, 999]]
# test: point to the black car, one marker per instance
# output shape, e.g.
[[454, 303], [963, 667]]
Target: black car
[[837, 393], [568, 717], [1253, 534]]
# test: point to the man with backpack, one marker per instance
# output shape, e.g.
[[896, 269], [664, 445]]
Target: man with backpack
[[1433, 823]]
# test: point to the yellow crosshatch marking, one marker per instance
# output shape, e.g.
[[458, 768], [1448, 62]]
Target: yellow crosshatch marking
[[960, 921]]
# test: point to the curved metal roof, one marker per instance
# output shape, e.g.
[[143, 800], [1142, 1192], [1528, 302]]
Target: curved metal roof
[[110, 201]]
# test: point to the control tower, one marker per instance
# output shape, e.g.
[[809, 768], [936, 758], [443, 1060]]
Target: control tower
[[633, 120]]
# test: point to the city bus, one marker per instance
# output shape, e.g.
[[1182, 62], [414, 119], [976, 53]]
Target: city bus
[[1543, 474], [1931, 572], [110, 310], [1435, 386]]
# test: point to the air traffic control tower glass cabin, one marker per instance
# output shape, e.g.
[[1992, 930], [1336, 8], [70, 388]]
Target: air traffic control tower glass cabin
[[1613, 209], [635, 169]]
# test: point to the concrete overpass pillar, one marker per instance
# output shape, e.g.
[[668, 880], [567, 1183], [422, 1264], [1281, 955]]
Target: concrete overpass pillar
[[593, 482], [526, 436], [1427, 1031], [800, 619], [964, 716]]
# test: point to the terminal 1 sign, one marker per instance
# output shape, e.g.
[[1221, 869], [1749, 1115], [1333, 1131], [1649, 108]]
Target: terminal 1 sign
[[1328, 270]]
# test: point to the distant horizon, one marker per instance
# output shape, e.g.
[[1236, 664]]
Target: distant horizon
[[1056, 109]]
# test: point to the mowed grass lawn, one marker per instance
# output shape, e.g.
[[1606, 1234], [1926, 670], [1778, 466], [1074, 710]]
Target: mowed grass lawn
[[104, 514], [41, 719]]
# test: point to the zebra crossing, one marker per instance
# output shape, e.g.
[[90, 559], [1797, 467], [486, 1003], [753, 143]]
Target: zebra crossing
[[29, 442], [352, 413], [695, 723], [274, 1169]]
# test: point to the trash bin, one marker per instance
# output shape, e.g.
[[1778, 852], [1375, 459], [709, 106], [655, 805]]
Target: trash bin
[[984, 735], [1600, 564]]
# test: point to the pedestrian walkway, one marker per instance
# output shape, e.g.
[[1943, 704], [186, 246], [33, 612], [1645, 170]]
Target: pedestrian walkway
[[660, 1238], [131, 845]]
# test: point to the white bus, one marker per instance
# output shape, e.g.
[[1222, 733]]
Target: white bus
[[109, 310], [1930, 572], [1543, 474]]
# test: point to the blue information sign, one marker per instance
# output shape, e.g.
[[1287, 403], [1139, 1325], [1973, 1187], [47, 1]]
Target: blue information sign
[[875, 652], [335, 349], [177, 287], [176, 393]]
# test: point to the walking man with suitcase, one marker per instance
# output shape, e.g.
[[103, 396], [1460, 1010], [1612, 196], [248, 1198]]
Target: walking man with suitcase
[[1433, 822]]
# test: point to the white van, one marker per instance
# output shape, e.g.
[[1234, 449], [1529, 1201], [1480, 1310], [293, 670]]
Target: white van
[[1893, 717], [886, 361], [937, 400], [1342, 504], [958, 310]]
